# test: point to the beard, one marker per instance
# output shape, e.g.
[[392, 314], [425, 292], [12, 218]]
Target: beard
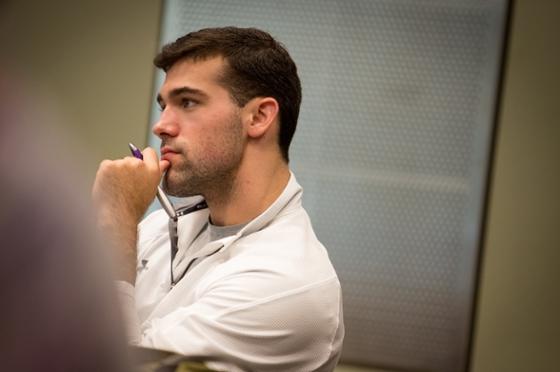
[[209, 169]]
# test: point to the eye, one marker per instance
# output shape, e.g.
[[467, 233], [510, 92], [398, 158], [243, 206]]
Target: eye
[[161, 108], [187, 103]]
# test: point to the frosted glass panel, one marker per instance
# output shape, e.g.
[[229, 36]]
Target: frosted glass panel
[[392, 151]]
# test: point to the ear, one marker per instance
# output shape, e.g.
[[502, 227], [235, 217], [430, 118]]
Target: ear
[[262, 114]]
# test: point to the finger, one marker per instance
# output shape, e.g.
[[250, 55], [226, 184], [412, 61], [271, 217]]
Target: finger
[[150, 158], [163, 165], [130, 157], [149, 153]]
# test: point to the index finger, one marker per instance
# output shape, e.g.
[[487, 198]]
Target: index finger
[[150, 158]]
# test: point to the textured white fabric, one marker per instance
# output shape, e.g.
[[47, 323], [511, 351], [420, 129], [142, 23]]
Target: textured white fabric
[[267, 300]]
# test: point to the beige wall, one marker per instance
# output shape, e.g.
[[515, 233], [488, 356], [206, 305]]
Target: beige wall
[[92, 60], [518, 326]]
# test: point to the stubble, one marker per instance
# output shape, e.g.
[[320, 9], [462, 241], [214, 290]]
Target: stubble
[[212, 172]]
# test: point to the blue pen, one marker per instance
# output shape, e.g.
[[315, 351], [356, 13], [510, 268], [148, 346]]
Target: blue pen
[[163, 199]]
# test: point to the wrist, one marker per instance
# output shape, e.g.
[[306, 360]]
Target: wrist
[[120, 232]]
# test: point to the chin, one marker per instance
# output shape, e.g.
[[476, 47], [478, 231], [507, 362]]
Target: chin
[[173, 188], [169, 186]]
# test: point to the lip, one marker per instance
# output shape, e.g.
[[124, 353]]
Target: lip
[[167, 153]]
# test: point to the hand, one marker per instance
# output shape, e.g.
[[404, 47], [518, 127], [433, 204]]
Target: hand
[[125, 188], [122, 191]]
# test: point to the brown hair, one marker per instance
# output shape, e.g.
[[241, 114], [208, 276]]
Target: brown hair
[[257, 66]]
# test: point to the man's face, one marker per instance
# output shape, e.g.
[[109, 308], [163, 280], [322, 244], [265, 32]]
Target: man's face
[[200, 129]]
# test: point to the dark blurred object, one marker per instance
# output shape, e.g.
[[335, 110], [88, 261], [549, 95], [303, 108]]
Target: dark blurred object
[[59, 312]]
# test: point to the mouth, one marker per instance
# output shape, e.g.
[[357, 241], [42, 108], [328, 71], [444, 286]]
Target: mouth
[[167, 153]]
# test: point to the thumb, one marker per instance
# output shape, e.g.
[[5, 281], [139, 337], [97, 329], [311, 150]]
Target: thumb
[[163, 165]]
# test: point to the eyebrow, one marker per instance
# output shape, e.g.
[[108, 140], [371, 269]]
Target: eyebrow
[[180, 91]]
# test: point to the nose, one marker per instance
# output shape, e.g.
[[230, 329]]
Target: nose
[[166, 125]]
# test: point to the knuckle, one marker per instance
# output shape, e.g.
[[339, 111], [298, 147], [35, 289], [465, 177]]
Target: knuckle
[[105, 163], [132, 162], [104, 166]]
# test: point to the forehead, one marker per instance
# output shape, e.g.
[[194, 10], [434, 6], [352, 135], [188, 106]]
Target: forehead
[[204, 74]]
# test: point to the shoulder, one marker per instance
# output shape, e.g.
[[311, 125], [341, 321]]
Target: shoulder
[[283, 257], [154, 222]]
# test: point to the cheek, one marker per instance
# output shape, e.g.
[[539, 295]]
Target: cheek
[[214, 138], [204, 149]]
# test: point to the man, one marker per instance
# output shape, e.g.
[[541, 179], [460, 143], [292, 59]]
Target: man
[[250, 285]]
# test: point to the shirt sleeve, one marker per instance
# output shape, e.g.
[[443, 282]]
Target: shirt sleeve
[[291, 330]]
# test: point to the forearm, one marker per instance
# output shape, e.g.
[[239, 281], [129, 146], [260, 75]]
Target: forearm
[[120, 232], [122, 191], [128, 305]]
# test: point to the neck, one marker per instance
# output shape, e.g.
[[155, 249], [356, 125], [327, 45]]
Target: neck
[[254, 187]]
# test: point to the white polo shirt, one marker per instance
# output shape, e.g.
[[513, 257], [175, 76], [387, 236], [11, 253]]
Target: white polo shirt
[[264, 299]]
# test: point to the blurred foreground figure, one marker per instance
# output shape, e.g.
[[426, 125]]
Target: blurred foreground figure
[[58, 310]]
